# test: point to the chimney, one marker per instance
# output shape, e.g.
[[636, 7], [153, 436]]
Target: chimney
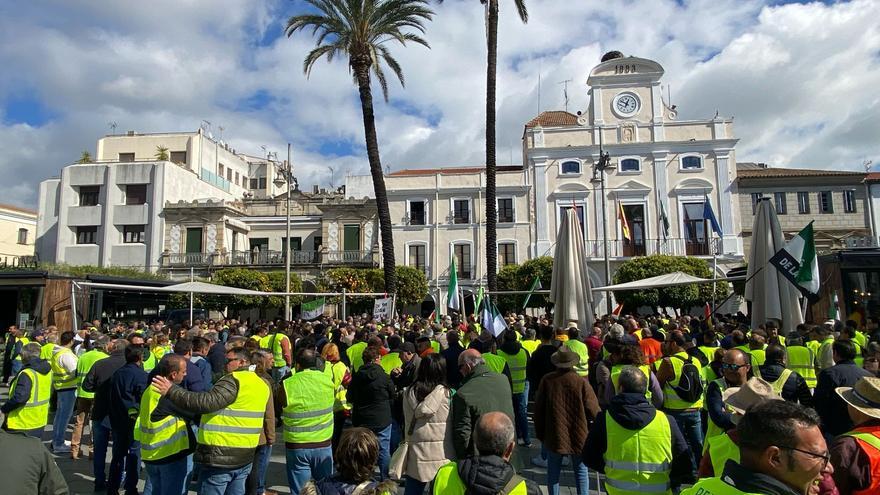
[[129, 133]]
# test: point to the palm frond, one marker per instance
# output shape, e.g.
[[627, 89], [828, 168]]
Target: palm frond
[[521, 10]]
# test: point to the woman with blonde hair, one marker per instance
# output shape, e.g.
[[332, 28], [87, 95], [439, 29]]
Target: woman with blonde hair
[[341, 377]]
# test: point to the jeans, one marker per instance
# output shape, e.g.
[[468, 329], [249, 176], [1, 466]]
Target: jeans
[[339, 419], [127, 457], [395, 436], [168, 478], [66, 400], [256, 480], [101, 435], [414, 486], [691, 428], [384, 436], [306, 464], [554, 466], [521, 414], [219, 481]]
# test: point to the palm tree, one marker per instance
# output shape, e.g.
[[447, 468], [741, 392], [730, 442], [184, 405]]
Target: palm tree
[[491, 168], [161, 153], [360, 30], [85, 157]]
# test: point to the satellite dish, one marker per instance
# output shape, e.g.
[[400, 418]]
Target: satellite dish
[[582, 120]]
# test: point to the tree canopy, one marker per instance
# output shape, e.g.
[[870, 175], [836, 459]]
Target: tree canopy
[[682, 296]]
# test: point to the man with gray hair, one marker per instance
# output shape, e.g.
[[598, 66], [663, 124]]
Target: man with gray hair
[[489, 471], [27, 409], [482, 391], [628, 442]]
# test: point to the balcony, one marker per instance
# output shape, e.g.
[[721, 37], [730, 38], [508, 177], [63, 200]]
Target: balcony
[[270, 259], [622, 248]]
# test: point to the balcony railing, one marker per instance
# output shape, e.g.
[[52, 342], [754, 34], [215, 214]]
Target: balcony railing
[[269, 258], [622, 248]]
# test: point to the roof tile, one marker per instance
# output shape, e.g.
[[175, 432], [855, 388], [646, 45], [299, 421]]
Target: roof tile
[[554, 118]]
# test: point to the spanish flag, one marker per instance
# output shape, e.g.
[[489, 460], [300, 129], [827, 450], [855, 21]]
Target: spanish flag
[[624, 226]]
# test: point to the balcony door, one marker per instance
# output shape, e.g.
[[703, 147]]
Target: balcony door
[[696, 233], [635, 218], [193, 240], [351, 238]]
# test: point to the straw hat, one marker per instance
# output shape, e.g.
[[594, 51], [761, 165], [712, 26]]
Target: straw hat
[[752, 392], [572, 324], [564, 358], [865, 396]]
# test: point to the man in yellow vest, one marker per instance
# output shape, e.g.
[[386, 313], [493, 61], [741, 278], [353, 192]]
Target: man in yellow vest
[[355, 351], [517, 358], [577, 346], [65, 382], [495, 440], [825, 353], [165, 439], [735, 369], [307, 397], [639, 448], [27, 409], [785, 381], [671, 374], [278, 343], [232, 415], [21, 340], [801, 359], [782, 451], [84, 400]]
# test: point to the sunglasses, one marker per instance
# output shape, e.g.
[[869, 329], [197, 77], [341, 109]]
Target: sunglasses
[[732, 367]]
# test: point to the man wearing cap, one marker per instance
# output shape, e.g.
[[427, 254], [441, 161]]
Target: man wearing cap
[[856, 454], [516, 358]]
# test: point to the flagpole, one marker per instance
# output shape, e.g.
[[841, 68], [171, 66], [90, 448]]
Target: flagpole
[[714, 275]]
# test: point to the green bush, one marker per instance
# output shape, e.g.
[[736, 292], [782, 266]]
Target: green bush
[[520, 277]]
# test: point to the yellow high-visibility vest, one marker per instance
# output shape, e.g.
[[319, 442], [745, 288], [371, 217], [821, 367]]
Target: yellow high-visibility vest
[[159, 439], [448, 482], [24, 341], [714, 486], [803, 360], [240, 423], [579, 348], [85, 363], [721, 448], [308, 413], [615, 376], [61, 378], [671, 401], [35, 412], [494, 362], [637, 461], [517, 365]]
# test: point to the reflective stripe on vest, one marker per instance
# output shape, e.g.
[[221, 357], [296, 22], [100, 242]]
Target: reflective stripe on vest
[[448, 482], [238, 425], [714, 430], [85, 363], [779, 384], [35, 412], [714, 486], [615, 376], [803, 360], [671, 401], [868, 439], [517, 364], [308, 413], [579, 348], [160, 439], [637, 461], [721, 449], [61, 378]]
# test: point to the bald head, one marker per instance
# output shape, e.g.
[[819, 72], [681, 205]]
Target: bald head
[[736, 356], [468, 360], [495, 435]]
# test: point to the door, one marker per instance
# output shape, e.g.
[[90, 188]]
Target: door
[[635, 218], [351, 238], [695, 233], [193, 240]]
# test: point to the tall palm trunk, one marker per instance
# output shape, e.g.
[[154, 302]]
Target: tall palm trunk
[[491, 213], [361, 67]]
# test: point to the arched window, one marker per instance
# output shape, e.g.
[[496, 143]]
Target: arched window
[[570, 167], [692, 162], [630, 165]]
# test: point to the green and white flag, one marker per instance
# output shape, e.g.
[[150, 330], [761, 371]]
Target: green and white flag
[[834, 309], [536, 285], [491, 318], [312, 309], [798, 263], [452, 300]]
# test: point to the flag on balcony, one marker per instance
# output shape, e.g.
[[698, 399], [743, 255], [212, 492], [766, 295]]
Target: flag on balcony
[[453, 302], [312, 309], [491, 318], [664, 221], [798, 263], [709, 215], [624, 225], [536, 285]]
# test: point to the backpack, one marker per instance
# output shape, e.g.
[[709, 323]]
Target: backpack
[[690, 384]]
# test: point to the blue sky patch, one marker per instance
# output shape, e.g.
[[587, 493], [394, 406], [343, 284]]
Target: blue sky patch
[[26, 108], [338, 147]]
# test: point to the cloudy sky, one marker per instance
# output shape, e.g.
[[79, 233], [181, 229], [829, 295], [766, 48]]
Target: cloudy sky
[[800, 79]]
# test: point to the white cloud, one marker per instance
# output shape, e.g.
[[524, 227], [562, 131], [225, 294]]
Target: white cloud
[[799, 79]]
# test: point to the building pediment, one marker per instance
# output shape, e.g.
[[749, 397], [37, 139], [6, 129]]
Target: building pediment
[[693, 185], [625, 70]]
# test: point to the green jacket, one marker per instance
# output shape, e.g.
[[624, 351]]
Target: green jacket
[[31, 466], [481, 392]]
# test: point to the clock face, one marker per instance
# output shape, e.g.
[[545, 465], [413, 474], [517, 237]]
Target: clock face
[[626, 104]]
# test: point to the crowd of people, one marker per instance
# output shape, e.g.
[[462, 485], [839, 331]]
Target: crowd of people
[[656, 404]]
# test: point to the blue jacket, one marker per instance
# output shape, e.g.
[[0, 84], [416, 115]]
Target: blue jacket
[[204, 368], [126, 388]]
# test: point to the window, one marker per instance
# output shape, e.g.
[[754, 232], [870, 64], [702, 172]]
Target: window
[[22, 236], [691, 162], [133, 234], [418, 255], [849, 201], [630, 165], [317, 242], [461, 211], [86, 235], [826, 202], [803, 202], [505, 210], [136, 194], [779, 202], [178, 156], [244, 182], [229, 174], [417, 214], [462, 254], [579, 210], [262, 183], [295, 244], [570, 167], [755, 198], [255, 183], [351, 237], [236, 178], [506, 253], [193, 240], [88, 195], [126, 157]]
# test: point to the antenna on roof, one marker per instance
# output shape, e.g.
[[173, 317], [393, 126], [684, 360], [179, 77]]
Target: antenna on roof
[[112, 128], [539, 87], [867, 164], [565, 91]]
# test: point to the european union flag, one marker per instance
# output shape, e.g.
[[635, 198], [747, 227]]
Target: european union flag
[[709, 215]]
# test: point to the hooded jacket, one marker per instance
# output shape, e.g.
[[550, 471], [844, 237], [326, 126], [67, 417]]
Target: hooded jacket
[[482, 391], [634, 412], [488, 475], [24, 384]]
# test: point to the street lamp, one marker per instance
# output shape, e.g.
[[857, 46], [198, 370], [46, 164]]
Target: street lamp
[[285, 176], [599, 169]]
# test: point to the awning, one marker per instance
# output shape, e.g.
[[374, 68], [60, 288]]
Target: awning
[[668, 280], [187, 287]]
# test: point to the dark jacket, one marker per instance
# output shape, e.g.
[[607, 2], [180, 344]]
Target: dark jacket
[[748, 481], [450, 354], [29, 466], [795, 388], [98, 381], [336, 486], [194, 381], [370, 394], [633, 412], [126, 388], [831, 408], [217, 357], [221, 395], [481, 392], [718, 412], [204, 367], [488, 475], [24, 384], [405, 379], [540, 365], [564, 406]]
